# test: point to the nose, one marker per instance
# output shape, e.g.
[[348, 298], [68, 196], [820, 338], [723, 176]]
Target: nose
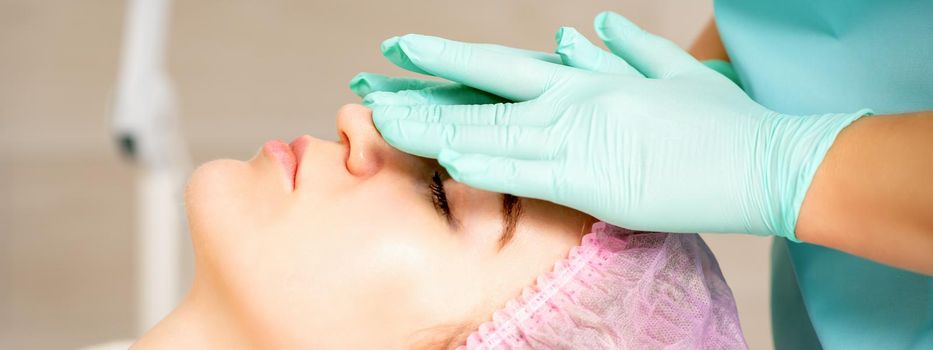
[[368, 151]]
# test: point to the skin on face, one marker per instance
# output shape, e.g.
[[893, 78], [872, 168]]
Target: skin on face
[[356, 254]]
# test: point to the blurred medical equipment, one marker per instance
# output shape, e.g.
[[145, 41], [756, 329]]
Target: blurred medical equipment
[[145, 121], [622, 290]]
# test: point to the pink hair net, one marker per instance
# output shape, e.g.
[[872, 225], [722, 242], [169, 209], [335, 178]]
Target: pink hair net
[[621, 289]]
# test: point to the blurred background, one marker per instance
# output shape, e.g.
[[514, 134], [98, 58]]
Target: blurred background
[[243, 72]]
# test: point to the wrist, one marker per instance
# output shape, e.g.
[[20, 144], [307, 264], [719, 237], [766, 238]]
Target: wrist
[[795, 147]]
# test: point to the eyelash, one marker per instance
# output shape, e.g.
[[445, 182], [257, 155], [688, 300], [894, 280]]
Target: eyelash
[[439, 196]]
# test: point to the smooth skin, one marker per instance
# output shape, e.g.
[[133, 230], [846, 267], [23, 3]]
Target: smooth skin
[[353, 254], [867, 179]]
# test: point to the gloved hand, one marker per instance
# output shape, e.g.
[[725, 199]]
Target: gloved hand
[[573, 50], [418, 91], [660, 143]]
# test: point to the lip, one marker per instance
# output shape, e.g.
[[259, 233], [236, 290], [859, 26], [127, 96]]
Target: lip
[[285, 155], [298, 146]]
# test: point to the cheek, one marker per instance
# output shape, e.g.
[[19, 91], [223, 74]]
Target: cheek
[[382, 243], [372, 233], [480, 215], [352, 265]]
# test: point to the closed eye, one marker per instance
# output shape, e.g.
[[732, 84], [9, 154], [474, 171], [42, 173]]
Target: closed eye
[[511, 209], [439, 198]]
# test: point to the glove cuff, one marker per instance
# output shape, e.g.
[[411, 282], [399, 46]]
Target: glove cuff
[[801, 144]]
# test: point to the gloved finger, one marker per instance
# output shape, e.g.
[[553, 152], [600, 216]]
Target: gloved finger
[[394, 53], [725, 68], [653, 56], [538, 55], [573, 48], [392, 106], [576, 51], [400, 98], [449, 94], [523, 178], [365, 83], [427, 139], [514, 77]]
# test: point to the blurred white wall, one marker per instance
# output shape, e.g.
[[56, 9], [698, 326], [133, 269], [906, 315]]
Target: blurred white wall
[[246, 71]]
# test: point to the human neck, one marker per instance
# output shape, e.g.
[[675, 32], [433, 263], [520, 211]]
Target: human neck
[[200, 322]]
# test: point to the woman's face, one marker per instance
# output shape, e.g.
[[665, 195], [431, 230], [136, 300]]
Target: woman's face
[[350, 244]]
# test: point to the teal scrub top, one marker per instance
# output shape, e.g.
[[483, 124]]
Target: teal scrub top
[[821, 56]]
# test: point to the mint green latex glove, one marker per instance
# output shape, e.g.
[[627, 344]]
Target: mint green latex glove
[[418, 91], [661, 143], [573, 50]]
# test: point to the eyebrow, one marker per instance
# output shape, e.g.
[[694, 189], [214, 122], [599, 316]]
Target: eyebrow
[[511, 213]]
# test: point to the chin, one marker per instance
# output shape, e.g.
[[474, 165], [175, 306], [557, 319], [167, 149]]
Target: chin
[[212, 194]]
